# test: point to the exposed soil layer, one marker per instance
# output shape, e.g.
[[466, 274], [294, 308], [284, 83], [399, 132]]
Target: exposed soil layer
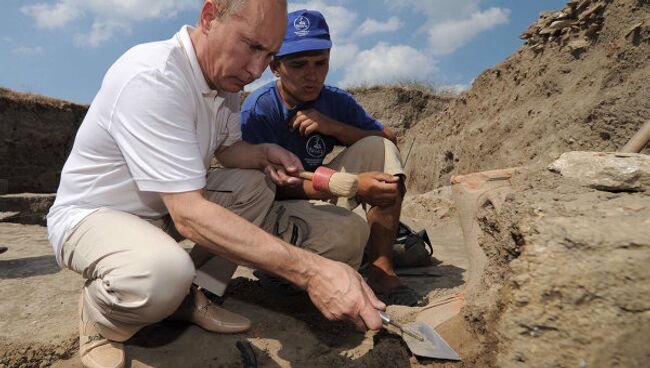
[[37, 135], [542, 101]]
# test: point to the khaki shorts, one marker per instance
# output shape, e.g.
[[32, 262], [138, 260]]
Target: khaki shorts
[[136, 273], [331, 228]]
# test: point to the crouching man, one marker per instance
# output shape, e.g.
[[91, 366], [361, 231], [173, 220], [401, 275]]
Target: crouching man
[[138, 179]]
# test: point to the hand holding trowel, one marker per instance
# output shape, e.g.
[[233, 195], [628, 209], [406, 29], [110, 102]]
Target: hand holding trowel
[[422, 340]]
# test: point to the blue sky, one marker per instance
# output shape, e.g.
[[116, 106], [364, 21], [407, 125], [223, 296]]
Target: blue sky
[[62, 48]]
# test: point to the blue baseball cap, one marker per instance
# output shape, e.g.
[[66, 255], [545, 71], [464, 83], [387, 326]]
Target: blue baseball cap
[[306, 31]]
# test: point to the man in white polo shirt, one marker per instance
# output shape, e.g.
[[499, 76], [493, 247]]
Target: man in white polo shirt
[[138, 179]]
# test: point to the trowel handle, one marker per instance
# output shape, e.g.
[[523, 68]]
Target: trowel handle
[[384, 317]]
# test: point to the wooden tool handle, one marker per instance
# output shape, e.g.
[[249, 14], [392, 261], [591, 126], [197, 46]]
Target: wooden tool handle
[[307, 175], [639, 140]]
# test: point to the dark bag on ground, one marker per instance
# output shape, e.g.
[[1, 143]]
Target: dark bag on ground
[[412, 249]]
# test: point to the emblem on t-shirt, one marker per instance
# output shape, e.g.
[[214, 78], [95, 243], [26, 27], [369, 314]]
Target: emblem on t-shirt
[[315, 146], [301, 24]]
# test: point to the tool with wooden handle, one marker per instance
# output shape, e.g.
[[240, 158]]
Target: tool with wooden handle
[[387, 320], [332, 182], [422, 340], [639, 140]]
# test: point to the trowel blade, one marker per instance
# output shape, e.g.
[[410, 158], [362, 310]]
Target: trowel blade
[[433, 346]]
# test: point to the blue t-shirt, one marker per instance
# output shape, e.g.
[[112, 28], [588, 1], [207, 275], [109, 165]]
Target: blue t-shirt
[[265, 119]]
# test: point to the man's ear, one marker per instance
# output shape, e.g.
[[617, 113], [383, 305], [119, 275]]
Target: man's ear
[[209, 12], [274, 65]]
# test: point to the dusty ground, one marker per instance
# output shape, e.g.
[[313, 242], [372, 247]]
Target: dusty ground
[[566, 283], [287, 331]]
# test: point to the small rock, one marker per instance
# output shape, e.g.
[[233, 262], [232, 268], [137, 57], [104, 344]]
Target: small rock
[[559, 24], [593, 10], [578, 44], [583, 5]]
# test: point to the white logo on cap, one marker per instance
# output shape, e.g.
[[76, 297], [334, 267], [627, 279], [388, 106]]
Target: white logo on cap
[[301, 24]]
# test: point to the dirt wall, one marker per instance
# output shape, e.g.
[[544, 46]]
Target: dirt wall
[[37, 135], [545, 99], [570, 267], [400, 108]]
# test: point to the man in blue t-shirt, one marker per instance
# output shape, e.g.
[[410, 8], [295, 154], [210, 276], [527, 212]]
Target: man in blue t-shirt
[[298, 112]]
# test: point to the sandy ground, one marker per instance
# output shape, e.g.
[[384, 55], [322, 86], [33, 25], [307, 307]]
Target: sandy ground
[[39, 309]]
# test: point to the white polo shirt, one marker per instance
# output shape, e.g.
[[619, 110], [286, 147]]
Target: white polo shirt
[[153, 127]]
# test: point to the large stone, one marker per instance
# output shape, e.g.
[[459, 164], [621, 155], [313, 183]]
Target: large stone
[[608, 171]]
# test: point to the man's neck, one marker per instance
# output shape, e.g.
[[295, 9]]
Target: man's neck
[[195, 37], [288, 100]]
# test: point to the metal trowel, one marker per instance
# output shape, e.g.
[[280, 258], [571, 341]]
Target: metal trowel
[[422, 340]]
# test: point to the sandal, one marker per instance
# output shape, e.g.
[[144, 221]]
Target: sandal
[[402, 295]]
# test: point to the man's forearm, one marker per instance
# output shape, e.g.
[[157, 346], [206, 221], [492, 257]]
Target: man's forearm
[[304, 191], [242, 155], [238, 240]]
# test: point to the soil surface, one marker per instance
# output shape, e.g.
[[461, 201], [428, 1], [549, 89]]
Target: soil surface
[[564, 282]]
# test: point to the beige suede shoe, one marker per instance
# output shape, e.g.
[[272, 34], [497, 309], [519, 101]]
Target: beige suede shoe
[[95, 350], [198, 309]]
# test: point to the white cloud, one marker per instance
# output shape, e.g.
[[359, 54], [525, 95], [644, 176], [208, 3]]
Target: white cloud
[[27, 51], [389, 63], [139, 9], [370, 26], [456, 89], [447, 37], [342, 55], [52, 16], [100, 32], [107, 16], [451, 24], [436, 11]]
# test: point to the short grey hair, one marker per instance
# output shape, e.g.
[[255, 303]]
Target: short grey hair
[[229, 7]]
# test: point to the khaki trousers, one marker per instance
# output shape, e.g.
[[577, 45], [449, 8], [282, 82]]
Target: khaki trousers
[[333, 230], [136, 273]]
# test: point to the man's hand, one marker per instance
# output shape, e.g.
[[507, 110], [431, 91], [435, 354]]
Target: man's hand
[[340, 293], [311, 121], [276, 161], [280, 163], [378, 188]]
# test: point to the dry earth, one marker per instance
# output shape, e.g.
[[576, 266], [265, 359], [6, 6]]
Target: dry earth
[[566, 283]]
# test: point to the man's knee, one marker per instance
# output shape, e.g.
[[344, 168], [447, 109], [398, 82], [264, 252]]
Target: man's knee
[[373, 144], [371, 153], [164, 281], [355, 237]]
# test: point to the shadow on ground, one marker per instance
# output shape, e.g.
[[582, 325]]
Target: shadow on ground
[[27, 267]]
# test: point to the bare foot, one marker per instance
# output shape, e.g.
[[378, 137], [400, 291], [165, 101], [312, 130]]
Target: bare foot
[[382, 281]]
